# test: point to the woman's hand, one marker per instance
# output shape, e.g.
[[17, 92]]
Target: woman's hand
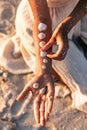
[[60, 35], [59, 38], [43, 89]]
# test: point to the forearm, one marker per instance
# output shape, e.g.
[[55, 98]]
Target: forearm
[[41, 15], [78, 12], [40, 10]]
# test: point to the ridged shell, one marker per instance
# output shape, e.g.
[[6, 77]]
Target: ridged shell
[[42, 27], [42, 43], [35, 85], [44, 67], [45, 61], [43, 90], [43, 53], [41, 35]]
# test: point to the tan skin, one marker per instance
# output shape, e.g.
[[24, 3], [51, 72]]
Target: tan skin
[[60, 37], [42, 76]]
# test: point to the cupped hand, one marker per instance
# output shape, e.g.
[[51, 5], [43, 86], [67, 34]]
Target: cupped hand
[[43, 89], [59, 38]]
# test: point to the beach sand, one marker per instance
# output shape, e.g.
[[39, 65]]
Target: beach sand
[[19, 115]]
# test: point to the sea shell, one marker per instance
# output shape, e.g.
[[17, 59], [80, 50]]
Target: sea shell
[[42, 27], [43, 53], [42, 91], [45, 61], [41, 35], [42, 43], [35, 85], [44, 67]]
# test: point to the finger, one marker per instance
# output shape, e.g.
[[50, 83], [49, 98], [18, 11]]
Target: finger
[[62, 47], [42, 113], [49, 44], [36, 108], [50, 96], [46, 106], [58, 55], [50, 104], [46, 111], [24, 92]]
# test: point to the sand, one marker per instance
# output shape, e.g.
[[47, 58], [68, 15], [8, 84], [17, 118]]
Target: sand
[[19, 115]]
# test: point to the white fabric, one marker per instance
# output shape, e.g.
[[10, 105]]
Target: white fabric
[[24, 23], [24, 14]]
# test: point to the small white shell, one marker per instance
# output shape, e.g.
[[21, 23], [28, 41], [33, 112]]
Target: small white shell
[[45, 61], [41, 35], [42, 27], [44, 67], [35, 85], [43, 53], [42, 91], [42, 43]]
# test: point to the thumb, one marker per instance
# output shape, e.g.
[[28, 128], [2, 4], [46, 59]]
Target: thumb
[[23, 94], [48, 45]]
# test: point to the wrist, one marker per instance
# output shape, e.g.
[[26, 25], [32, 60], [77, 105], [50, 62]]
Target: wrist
[[43, 67], [66, 25]]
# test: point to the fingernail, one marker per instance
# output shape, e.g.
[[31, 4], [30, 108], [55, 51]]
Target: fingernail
[[18, 99]]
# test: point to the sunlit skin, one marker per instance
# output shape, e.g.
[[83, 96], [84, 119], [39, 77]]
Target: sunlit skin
[[60, 34], [43, 102]]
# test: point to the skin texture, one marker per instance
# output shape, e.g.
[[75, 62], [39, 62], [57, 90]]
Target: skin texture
[[60, 35], [43, 102]]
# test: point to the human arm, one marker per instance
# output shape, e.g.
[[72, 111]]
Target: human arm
[[60, 35], [41, 15], [42, 78]]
